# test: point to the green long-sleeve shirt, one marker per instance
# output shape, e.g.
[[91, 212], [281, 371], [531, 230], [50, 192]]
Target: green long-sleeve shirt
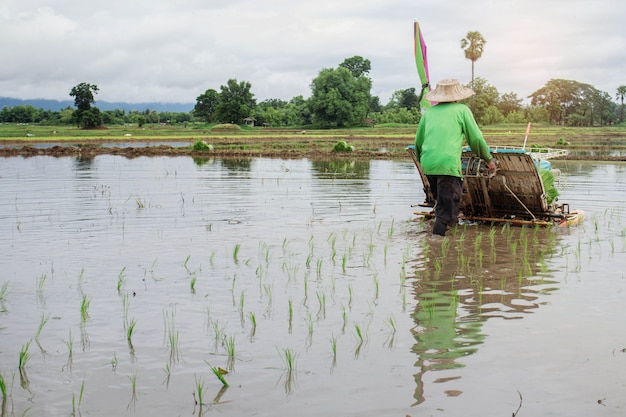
[[439, 139]]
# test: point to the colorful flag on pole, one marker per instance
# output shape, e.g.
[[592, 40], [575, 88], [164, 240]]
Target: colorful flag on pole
[[421, 62]]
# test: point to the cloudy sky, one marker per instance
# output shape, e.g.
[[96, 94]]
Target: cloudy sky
[[173, 51]]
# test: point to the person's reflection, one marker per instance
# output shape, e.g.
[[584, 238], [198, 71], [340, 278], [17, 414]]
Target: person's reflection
[[460, 281]]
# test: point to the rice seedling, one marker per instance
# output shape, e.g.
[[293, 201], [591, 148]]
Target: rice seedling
[[360, 340], [350, 295], [289, 359], [219, 373], [366, 259], [319, 268], [199, 393], [114, 362], [4, 291], [310, 328], [168, 374], [284, 245], [358, 332], [344, 317], [3, 389], [445, 246], [252, 318], [24, 355], [429, 307], [133, 385], [232, 285], [437, 263], [42, 322], [390, 232], [121, 279], [41, 281], [236, 252], [391, 337], [292, 272], [480, 254], [492, 236], [84, 308], [267, 289], [321, 299], [478, 240], [333, 346], [229, 346], [192, 282], [218, 334], [129, 334], [172, 336], [80, 399], [69, 343], [242, 302], [376, 286], [81, 277], [344, 262]]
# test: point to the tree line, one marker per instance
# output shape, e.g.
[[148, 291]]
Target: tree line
[[341, 97]]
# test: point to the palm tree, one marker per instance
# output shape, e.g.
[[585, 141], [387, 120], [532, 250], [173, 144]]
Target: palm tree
[[621, 94], [473, 45]]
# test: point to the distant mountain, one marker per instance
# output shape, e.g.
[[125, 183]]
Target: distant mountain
[[56, 105]]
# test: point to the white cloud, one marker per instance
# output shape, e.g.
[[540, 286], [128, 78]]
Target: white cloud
[[175, 50]]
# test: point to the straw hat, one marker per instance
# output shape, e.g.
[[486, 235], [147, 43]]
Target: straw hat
[[447, 90]]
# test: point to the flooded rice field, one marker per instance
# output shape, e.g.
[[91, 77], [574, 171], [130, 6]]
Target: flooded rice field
[[172, 286]]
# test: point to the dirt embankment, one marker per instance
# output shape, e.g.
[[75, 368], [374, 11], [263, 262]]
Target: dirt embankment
[[366, 148]]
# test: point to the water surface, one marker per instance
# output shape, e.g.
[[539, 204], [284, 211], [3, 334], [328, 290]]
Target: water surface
[[310, 283]]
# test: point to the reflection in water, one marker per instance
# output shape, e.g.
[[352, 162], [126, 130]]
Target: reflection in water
[[462, 280], [237, 165], [82, 166], [347, 169], [203, 161]]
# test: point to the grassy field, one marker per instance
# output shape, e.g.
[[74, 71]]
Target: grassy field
[[388, 141]]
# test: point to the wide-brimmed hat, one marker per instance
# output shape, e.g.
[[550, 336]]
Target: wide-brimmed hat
[[447, 90]]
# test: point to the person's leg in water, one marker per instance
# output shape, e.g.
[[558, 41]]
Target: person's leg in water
[[447, 191]]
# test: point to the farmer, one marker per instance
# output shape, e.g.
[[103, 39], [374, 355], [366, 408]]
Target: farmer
[[438, 144]]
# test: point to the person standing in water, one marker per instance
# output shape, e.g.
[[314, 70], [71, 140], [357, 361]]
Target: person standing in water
[[438, 146]]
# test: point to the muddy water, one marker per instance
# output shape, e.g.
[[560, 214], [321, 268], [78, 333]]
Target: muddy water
[[309, 283]]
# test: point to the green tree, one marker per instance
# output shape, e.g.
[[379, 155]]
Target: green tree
[[473, 45], [485, 102], [236, 102], [509, 103], [398, 115], [83, 94], [620, 95], [357, 65], [567, 102], [406, 99], [206, 105], [91, 118], [374, 105], [297, 112], [271, 112], [338, 98]]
